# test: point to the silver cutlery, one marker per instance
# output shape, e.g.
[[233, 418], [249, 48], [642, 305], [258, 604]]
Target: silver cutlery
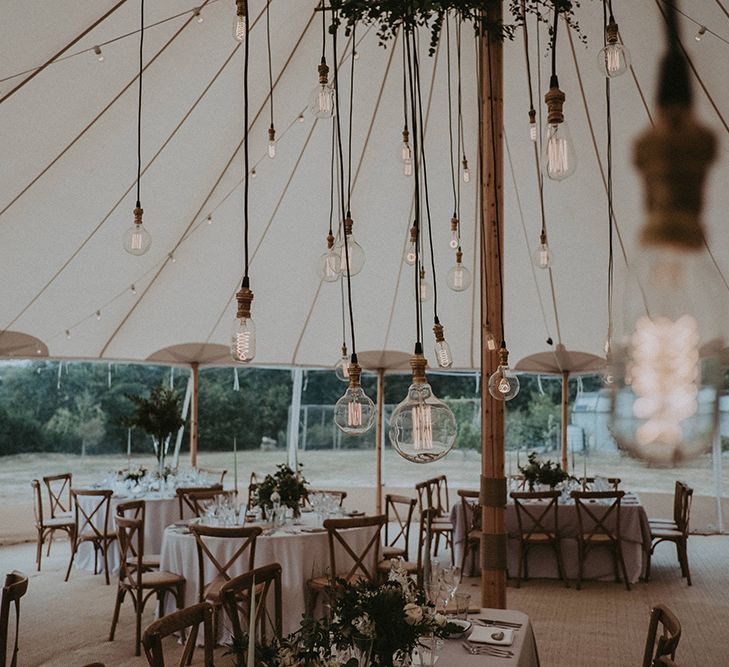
[[498, 624], [486, 649]]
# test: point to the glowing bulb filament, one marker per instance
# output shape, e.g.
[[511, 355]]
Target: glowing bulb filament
[[272, 149], [242, 345], [612, 59], [558, 160], [354, 413], [325, 100], [454, 239], [504, 386], [137, 238], [422, 427], [458, 278]]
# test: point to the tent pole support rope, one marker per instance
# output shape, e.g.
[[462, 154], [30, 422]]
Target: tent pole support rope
[[493, 537]]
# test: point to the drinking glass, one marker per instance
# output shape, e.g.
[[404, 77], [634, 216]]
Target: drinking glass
[[463, 604]]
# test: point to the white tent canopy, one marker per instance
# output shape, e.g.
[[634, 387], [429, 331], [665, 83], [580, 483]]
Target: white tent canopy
[[67, 192]]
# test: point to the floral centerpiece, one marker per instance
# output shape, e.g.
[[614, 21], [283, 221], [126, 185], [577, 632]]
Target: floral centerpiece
[[546, 472], [369, 624], [285, 488], [159, 415], [134, 473]]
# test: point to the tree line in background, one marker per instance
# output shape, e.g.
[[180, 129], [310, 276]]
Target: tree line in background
[[81, 407]]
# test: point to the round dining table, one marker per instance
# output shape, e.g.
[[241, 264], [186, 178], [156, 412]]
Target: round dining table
[[301, 548]]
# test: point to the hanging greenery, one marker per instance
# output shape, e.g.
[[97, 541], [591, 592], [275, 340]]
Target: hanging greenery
[[389, 16]]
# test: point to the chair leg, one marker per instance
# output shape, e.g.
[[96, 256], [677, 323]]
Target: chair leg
[[649, 557], [437, 542], [684, 558], [138, 622], [580, 563], [105, 546], [74, 547], [619, 551], [521, 562], [117, 607], [50, 540], [560, 563], [39, 550]]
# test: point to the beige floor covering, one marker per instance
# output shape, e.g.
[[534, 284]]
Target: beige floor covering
[[67, 624]]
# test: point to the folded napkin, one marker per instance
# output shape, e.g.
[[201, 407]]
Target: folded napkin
[[488, 635], [451, 609]]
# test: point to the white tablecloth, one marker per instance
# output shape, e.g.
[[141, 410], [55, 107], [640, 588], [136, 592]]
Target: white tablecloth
[[302, 556], [524, 646], [542, 562], [160, 512]]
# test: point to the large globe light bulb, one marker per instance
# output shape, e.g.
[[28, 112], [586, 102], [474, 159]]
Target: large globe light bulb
[[459, 277], [504, 383], [422, 427], [354, 413]]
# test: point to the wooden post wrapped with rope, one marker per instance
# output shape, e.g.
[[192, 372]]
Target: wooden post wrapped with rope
[[493, 483]]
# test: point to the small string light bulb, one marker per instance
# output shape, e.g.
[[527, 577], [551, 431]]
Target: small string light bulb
[[700, 33], [272, 142], [98, 315], [210, 218], [240, 27], [198, 15], [301, 118], [466, 172], [68, 334], [99, 54], [134, 289], [253, 173], [171, 257]]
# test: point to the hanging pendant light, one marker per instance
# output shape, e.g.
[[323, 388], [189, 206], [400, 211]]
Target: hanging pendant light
[[411, 251], [454, 232], [354, 413], [489, 340], [137, 240], [543, 255], [504, 383], [613, 59], [341, 368], [240, 23], [666, 369], [405, 153], [459, 277], [422, 427], [330, 262], [351, 258], [243, 343], [559, 158], [443, 353]]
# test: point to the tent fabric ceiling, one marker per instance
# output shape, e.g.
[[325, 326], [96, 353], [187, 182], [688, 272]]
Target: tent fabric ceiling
[[67, 192]]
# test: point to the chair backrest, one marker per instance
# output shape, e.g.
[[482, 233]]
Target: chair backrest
[[357, 565], [595, 512], [330, 492], [189, 618], [470, 504], [402, 509], [677, 499], [204, 537], [84, 517], [534, 517], [37, 504], [192, 497], [443, 503], [16, 585], [425, 539], [664, 644], [238, 594], [589, 482], [130, 532], [59, 492], [213, 473], [687, 494], [424, 492]]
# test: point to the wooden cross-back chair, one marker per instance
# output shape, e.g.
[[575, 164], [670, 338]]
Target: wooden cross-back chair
[[59, 493], [589, 482], [471, 526], [85, 530], [193, 497], [537, 515], [677, 502], [16, 586], [244, 537], [238, 595], [139, 583], [330, 492], [357, 568], [415, 567], [594, 531], [214, 473], [46, 527], [678, 534], [180, 621], [665, 644], [433, 494], [400, 510], [137, 509]]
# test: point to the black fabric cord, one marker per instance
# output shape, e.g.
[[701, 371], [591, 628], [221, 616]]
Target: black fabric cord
[[139, 104]]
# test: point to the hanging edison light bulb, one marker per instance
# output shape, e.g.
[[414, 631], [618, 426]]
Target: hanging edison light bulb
[[489, 341], [356, 253], [504, 383], [454, 232], [321, 104], [330, 262], [533, 125], [443, 354], [666, 368], [426, 290], [240, 27], [341, 368], [459, 277], [411, 251], [466, 171], [422, 427], [354, 413], [613, 59], [272, 142], [137, 239], [405, 153], [543, 255], [559, 158], [243, 340]]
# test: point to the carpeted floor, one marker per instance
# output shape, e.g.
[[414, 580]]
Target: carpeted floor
[[67, 624]]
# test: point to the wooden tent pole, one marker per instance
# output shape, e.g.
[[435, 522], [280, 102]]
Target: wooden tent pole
[[493, 483], [378, 446], [565, 406], [193, 413]]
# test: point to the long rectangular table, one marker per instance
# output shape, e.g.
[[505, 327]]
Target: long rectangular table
[[542, 562]]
